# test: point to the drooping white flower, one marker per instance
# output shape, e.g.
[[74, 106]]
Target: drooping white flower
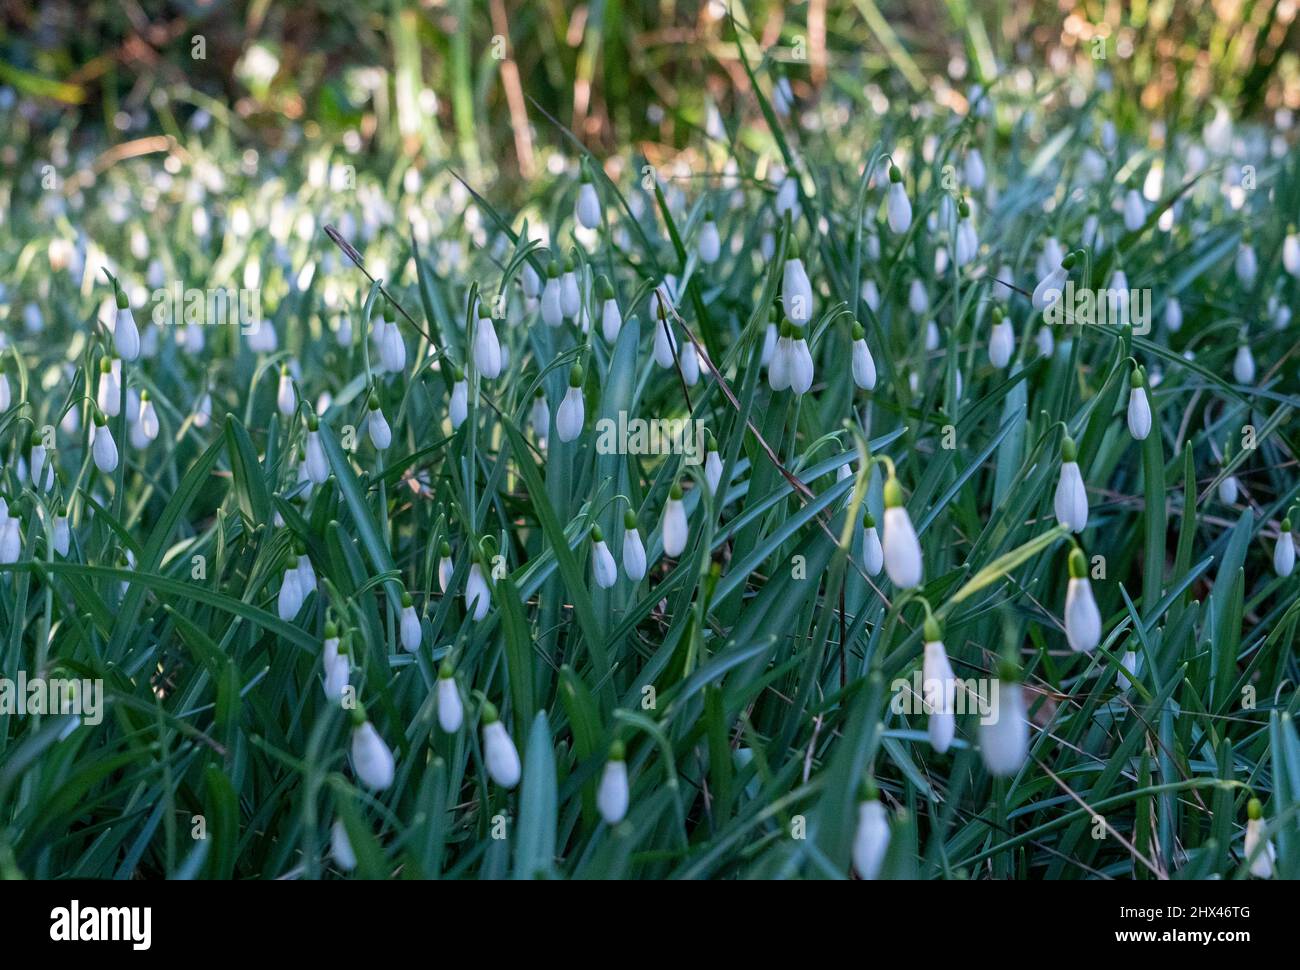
[[531, 281], [1052, 286], [612, 794], [709, 243], [871, 839], [1126, 676], [778, 371], [1243, 365], [1082, 618], [603, 569], [126, 335], [62, 535], [902, 549], [102, 446], [41, 465], [796, 290], [675, 527], [634, 557], [918, 301], [499, 752], [1228, 490], [337, 667], [1002, 340], [898, 208], [6, 395], [712, 466], [1291, 252], [411, 634], [1139, 407], [487, 349], [1247, 265], [1284, 551], [967, 244], [203, 413], [286, 398], [1173, 315], [458, 406], [689, 362], [552, 308], [571, 415], [1257, 849], [372, 760], [381, 435], [611, 318], [451, 710], [478, 598], [1135, 210], [873, 555], [11, 537], [587, 208], [540, 418], [973, 169], [570, 295], [1044, 341], [1004, 733], [340, 848], [871, 295], [289, 601], [445, 567], [1071, 500], [801, 364], [315, 463], [939, 689], [109, 394], [864, 365], [665, 343]]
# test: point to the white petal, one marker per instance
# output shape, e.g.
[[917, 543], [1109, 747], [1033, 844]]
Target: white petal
[[675, 528], [371, 758], [902, 549], [871, 840], [1082, 618], [500, 755], [1004, 734], [612, 795]]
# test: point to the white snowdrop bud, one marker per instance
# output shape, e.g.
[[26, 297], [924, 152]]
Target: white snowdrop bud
[[1291, 253], [340, 848], [62, 538], [967, 244], [411, 633], [6, 395], [787, 198], [796, 290], [918, 301], [1247, 265], [801, 364], [1284, 551], [939, 688], [487, 349], [1228, 490], [392, 349], [286, 399], [712, 467], [195, 338], [1257, 849], [769, 342], [445, 567], [371, 758], [665, 343], [126, 335], [871, 839], [1071, 500], [102, 446], [1173, 315], [1082, 618], [973, 169], [1243, 365], [1004, 733], [1135, 210], [588, 205], [612, 795], [499, 753], [381, 435], [1126, 676], [611, 319], [531, 281], [901, 547], [552, 308], [570, 295], [864, 365], [1002, 340], [109, 394], [571, 415], [603, 569], [1139, 407], [306, 573], [898, 208], [871, 295], [709, 243], [1051, 286], [675, 528], [689, 361], [317, 466], [634, 557], [778, 371], [1044, 341], [289, 602], [451, 710], [873, 556], [343, 333], [458, 406], [540, 418], [337, 667], [42, 466], [203, 413], [11, 537], [477, 596]]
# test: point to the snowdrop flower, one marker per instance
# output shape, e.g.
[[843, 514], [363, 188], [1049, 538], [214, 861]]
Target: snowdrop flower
[[343, 333], [570, 295], [102, 446], [1109, 137], [487, 349], [393, 349], [381, 435], [612, 795], [571, 414], [602, 560], [918, 301], [871, 840], [1284, 551], [796, 290], [1071, 500], [6, 396], [540, 418], [898, 208], [315, 464], [611, 319], [1135, 211], [41, 464], [499, 753], [665, 344], [286, 399], [552, 308], [126, 335], [1243, 365], [1139, 407], [289, 602], [873, 556], [203, 413], [334, 659], [1051, 286], [587, 209], [1259, 850], [712, 466], [1044, 341], [901, 547], [1173, 315], [973, 169], [1125, 677], [1082, 618], [147, 417], [410, 625], [340, 848], [1291, 252], [1247, 265], [634, 558], [458, 406], [967, 244], [778, 371], [864, 366], [306, 574], [787, 198], [871, 295], [675, 528], [1004, 735], [477, 595], [1228, 488], [939, 688], [1002, 339], [709, 244], [109, 394], [770, 340], [445, 567], [62, 538], [371, 758], [531, 281], [689, 361], [801, 363], [11, 535], [451, 710]]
